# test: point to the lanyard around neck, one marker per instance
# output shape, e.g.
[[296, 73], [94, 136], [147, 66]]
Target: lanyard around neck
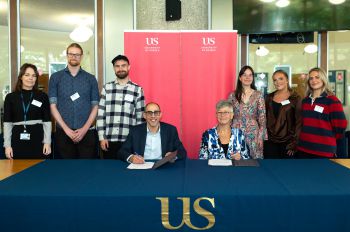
[[26, 107]]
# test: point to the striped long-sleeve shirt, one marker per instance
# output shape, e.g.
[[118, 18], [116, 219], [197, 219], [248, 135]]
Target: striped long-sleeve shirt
[[323, 123]]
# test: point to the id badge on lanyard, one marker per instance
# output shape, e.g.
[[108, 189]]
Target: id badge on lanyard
[[25, 135]]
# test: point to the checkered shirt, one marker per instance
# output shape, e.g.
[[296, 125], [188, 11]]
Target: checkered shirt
[[120, 107]]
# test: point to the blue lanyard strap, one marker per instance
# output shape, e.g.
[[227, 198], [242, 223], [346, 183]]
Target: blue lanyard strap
[[26, 107]]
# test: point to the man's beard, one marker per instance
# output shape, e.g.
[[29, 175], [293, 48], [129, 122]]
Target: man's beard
[[122, 74], [74, 63]]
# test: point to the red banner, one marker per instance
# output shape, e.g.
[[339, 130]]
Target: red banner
[[208, 75], [155, 60], [186, 72]]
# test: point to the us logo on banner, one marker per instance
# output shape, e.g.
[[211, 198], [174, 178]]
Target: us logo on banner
[[187, 73]]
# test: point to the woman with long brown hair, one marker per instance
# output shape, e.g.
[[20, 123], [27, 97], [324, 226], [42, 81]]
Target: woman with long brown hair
[[249, 110], [27, 120]]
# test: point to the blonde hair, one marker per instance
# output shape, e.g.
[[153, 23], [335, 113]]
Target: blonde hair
[[323, 77]]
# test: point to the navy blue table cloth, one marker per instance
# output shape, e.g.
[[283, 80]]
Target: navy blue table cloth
[[102, 195]]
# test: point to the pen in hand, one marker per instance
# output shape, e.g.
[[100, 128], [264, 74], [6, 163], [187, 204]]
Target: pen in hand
[[137, 159]]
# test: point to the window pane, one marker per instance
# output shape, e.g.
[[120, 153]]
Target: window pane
[[339, 67], [287, 56], [4, 55], [46, 26]]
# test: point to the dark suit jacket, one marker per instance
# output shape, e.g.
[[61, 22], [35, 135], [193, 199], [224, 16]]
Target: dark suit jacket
[[136, 141]]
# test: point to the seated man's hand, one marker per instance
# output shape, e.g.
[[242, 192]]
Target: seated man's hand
[[137, 159], [173, 160], [236, 156]]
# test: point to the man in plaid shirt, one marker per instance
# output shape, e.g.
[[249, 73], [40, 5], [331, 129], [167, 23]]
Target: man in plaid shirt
[[121, 106]]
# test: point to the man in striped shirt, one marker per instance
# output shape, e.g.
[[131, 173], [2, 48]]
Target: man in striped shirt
[[121, 106]]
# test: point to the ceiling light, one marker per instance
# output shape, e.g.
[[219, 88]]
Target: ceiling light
[[81, 34], [310, 48], [336, 2], [262, 51], [267, 0], [63, 53], [282, 3], [3, 5]]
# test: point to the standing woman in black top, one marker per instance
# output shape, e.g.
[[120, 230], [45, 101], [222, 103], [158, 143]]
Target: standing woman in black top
[[27, 120], [283, 118]]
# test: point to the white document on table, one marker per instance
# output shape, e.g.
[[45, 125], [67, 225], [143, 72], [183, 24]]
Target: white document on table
[[146, 165], [220, 162]]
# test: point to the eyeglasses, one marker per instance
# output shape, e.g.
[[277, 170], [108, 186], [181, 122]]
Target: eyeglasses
[[73, 55], [152, 113], [247, 75], [225, 113]]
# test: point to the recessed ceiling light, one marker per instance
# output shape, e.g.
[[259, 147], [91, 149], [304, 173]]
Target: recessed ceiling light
[[81, 33], [336, 2], [310, 48], [282, 3], [3, 5], [262, 51]]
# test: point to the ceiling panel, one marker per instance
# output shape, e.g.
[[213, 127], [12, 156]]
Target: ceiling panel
[[52, 15], [254, 16]]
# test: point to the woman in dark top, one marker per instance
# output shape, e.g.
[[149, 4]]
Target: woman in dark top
[[27, 120], [283, 114]]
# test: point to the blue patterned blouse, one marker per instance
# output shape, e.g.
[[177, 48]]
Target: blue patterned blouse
[[211, 148]]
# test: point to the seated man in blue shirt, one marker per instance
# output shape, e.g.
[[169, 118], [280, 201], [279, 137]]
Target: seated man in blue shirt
[[151, 140]]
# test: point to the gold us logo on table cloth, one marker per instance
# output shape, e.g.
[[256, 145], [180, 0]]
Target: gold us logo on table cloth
[[186, 218]]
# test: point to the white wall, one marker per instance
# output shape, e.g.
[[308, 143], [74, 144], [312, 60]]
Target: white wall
[[118, 17], [221, 12]]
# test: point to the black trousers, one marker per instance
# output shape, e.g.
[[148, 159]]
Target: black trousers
[[276, 150], [113, 149], [85, 149]]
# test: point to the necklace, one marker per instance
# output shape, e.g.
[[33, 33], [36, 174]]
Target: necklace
[[224, 135], [248, 92], [246, 95]]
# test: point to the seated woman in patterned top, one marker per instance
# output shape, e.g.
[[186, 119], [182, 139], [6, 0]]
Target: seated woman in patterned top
[[223, 141]]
